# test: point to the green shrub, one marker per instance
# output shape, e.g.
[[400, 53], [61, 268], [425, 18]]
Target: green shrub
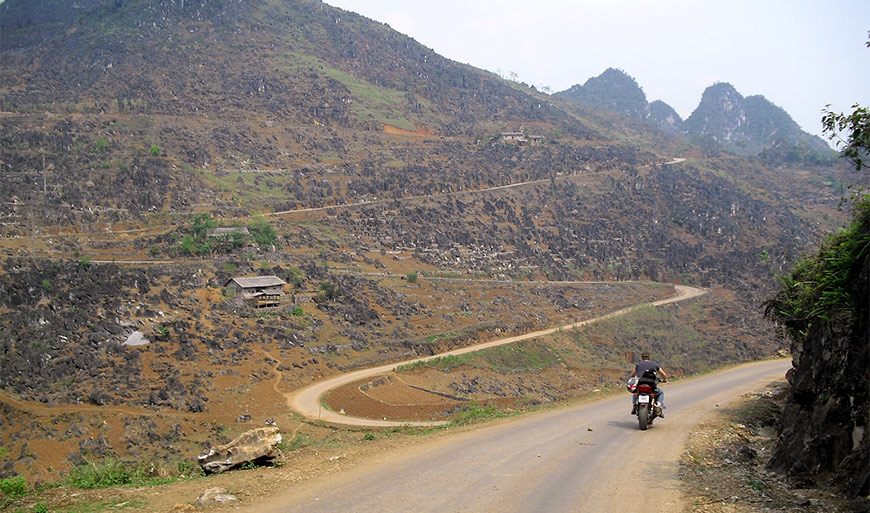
[[295, 277], [101, 146], [328, 292], [412, 277], [297, 311], [155, 150], [162, 332], [263, 233], [14, 487]]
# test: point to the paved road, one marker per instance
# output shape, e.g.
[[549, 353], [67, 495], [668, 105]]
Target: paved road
[[307, 400], [587, 458]]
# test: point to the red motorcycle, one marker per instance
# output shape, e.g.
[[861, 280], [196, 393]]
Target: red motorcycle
[[647, 406]]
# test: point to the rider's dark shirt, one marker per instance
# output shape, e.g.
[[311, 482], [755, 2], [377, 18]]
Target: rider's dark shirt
[[641, 370]]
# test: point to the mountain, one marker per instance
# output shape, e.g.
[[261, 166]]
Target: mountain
[[746, 126], [665, 117], [615, 90], [304, 61], [751, 126], [412, 204]]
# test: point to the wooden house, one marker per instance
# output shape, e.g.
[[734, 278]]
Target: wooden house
[[260, 291]]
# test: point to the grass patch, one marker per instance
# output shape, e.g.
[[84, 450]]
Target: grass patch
[[477, 413], [371, 102], [110, 473], [302, 440], [99, 506]]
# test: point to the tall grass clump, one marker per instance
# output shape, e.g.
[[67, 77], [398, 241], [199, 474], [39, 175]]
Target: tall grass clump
[[105, 474], [819, 286]]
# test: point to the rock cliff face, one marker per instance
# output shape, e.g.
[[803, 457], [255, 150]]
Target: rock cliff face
[[823, 431]]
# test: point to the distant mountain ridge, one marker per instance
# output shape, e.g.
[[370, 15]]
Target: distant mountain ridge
[[746, 126]]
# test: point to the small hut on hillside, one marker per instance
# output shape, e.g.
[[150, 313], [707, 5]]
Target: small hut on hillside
[[261, 291]]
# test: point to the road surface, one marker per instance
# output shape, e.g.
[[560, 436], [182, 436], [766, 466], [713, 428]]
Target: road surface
[[306, 401], [586, 458]]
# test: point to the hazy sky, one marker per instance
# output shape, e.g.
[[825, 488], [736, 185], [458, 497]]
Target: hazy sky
[[799, 54]]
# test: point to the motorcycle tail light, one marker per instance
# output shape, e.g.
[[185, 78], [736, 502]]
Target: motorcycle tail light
[[644, 389]]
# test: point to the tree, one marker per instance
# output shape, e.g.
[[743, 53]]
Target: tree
[[202, 223], [263, 233], [856, 144]]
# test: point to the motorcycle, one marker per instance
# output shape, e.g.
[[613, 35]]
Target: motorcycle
[[648, 408]]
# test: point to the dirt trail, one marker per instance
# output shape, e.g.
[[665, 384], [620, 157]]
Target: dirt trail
[[306, 401], [37, 408]]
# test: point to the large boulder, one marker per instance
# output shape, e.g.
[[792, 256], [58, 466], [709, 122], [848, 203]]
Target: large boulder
[[258, 446]]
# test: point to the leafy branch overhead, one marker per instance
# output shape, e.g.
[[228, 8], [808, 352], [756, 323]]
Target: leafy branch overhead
[[856, 145], [857, 126]]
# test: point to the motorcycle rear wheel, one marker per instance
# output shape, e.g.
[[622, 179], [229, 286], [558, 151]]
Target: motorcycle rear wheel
[[643, 418]]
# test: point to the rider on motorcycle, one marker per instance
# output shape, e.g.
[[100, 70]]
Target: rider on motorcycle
[[648, 372]]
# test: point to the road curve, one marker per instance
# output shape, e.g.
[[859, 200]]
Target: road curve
[[586, 458], [306, 401]]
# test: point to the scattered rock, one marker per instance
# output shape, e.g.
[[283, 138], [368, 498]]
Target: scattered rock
[[747, 453], [258, 446], [215, 497], [243, 418]]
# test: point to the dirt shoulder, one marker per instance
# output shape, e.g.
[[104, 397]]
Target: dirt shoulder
[[724, 465]]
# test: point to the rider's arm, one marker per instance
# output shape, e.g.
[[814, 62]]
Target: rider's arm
[[664, 374], [633, 373]]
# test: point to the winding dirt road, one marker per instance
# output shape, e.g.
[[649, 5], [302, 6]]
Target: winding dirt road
[[306, 401], [586, 458]]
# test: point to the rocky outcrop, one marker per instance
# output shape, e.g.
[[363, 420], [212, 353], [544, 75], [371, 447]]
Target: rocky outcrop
[[258, 446], [824, 435]]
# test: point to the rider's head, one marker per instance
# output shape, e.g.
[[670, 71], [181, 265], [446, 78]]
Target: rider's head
[[645, 355]]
